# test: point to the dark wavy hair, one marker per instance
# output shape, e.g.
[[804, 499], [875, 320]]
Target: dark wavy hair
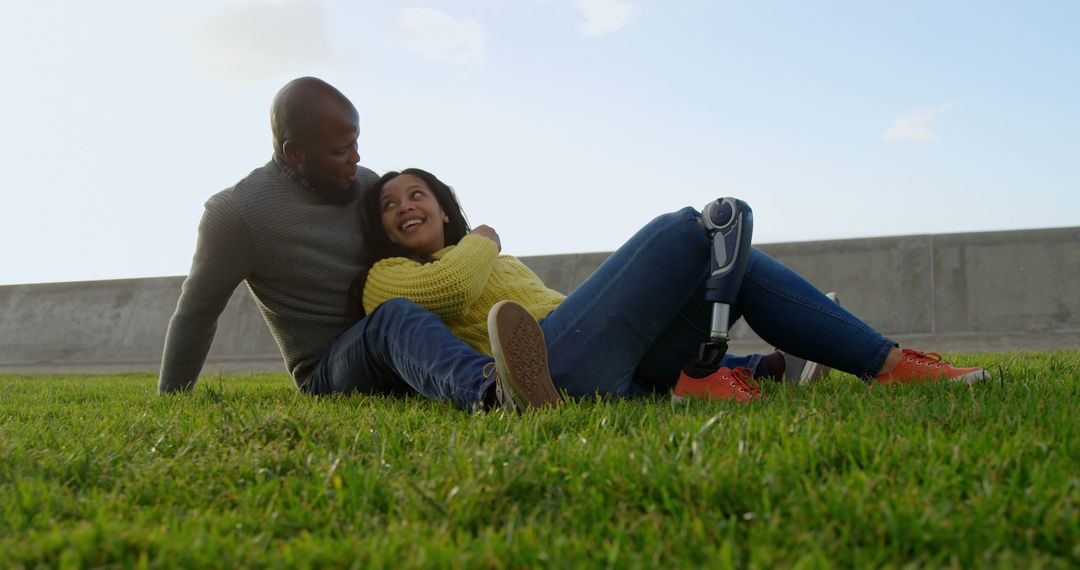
[[377, 244]]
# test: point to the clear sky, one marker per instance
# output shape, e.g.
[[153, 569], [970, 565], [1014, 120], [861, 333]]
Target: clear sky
[[564, 124]]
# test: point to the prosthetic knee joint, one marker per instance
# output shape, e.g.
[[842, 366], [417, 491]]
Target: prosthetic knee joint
[[730, 224]]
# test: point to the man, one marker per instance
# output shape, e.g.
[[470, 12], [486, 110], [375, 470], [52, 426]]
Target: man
[[290, 230]]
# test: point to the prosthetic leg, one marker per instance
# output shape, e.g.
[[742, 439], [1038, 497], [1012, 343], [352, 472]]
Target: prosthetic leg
[[730, 224]]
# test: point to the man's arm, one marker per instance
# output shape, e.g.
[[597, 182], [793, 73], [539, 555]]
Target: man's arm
[[224, 256]]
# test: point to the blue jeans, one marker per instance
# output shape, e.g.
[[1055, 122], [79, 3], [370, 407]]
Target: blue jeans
[[629, 329], [635, 322], [401, 348]]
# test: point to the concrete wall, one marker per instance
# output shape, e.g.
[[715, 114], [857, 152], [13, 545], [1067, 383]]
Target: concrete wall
[[969, 292], [998, 286], [115, 323], [1002, 281]]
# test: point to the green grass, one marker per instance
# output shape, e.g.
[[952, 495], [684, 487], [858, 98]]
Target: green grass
[[99, 471]]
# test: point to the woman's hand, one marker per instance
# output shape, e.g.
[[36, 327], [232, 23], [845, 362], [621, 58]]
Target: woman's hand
[[488, 232]]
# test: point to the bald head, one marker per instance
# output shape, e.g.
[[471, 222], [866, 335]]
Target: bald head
[[300, 107], [315, 130]]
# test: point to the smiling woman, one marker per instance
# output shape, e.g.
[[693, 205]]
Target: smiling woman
[[400, 198], [635, 323], [412, 216]]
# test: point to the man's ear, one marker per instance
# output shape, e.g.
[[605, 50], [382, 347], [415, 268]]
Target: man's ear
[[292, 152]]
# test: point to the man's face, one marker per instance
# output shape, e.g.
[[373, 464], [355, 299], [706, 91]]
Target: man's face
[[327, 156]]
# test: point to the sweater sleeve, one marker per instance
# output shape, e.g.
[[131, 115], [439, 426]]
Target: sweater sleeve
[[224, 256], [446, 287]]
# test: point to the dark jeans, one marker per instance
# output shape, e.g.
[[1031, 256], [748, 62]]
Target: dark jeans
[[401, 348], [629, 328], [642, 315]]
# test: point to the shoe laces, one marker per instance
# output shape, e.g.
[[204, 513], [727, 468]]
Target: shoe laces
[[744, 378], [502, 399], [927, 359]]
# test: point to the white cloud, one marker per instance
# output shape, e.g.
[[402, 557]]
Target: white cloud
[[438, 36], [257, 39], [603, 16], [917, 126]]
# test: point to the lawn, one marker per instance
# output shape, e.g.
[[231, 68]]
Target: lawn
[[245, 472]]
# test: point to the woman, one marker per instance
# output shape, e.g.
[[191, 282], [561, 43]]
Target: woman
[[632, 325]]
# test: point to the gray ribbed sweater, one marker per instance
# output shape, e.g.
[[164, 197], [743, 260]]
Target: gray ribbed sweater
[[298, 255]]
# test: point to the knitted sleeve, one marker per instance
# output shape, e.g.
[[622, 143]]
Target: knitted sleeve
[[224, 256], [446, 287]]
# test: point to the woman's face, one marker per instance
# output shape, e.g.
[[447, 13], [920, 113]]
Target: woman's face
[[411, 215]]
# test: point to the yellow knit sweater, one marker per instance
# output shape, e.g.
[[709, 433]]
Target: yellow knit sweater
[[461, 286]]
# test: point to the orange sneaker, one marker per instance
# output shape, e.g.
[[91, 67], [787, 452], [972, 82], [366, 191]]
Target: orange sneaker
[[724, 384], [918, 366]]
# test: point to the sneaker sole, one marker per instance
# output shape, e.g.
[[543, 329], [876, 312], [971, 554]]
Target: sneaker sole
[[969, 378], [521, 356], [811, 373], [972, 377]]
